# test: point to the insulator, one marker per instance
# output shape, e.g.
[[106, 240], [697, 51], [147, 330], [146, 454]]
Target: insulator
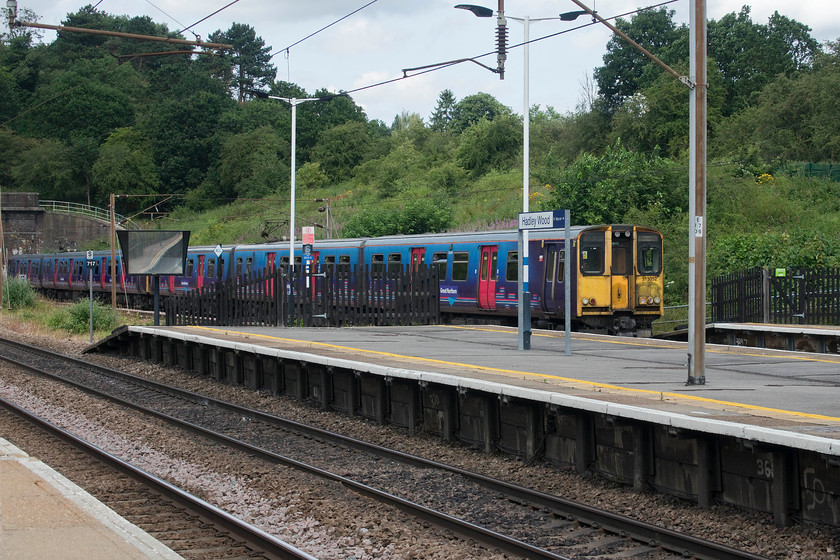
[[501, 39]]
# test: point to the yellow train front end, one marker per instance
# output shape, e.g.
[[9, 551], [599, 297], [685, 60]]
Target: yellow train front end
[[619, 279]]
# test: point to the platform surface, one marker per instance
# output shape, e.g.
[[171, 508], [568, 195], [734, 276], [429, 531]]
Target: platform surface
[[44, 516], [791, 391]]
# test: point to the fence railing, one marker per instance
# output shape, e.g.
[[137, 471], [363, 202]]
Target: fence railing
[[101, 214], [784, 296], [337, 296]]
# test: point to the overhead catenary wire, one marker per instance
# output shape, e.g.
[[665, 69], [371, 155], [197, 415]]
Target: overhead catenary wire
[[286, 50]]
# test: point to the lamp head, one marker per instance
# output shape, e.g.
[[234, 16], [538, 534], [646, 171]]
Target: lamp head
[[479, 11]]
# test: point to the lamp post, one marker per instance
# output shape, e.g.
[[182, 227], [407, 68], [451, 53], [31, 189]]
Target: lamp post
[[294, 102], [328, 211], [524, 296]]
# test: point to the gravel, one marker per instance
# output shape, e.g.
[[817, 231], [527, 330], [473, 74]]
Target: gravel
[[319, 517]]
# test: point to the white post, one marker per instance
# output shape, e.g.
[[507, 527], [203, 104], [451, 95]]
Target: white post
[[294, 103], [524, 287]]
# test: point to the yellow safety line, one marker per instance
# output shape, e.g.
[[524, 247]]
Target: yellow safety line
[[527, 373]]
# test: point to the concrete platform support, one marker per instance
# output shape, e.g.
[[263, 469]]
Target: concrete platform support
[[584, 443], [251, 371], [782, 486], [217, 365], [271, 379], [318, 379], [675, 462], [404, 404], [169, 352], [641, 456], [345, 392], [560, 431], [294, 380], [518, 430], [372, 397], [439, 411], [477, 420], [183, 355], [614, 445], [819, 487], [199, 359], [233, 367]]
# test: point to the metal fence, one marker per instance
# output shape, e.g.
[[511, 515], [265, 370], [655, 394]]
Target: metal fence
[[100, 214], [337, 296], [782, 296]]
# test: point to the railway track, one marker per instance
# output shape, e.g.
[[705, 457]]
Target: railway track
[[501, 515], [189, 526]]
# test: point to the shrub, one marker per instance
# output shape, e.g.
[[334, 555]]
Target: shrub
[[76, 318], [18, 294]]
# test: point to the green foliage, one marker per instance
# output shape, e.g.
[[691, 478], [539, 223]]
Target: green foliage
[[626, 70], [18, 294], [490, 145], [75, 319], [603, 189], [250, 60], [474, 108], [443, 114], [421, 215]]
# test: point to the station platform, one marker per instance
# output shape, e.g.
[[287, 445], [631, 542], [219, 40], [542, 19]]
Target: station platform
[[43, 515], [778, 397]]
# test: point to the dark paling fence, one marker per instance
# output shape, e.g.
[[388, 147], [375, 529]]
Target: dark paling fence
[[796, 296], [334, 297]]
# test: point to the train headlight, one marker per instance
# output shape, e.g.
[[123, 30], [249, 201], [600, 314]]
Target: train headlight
[[657, 300], [591, 301], [642, 300], [585, 301]]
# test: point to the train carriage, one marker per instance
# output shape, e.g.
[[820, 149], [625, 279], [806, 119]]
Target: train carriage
[[616, 272]]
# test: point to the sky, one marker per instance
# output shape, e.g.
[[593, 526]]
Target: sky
[[376, 43]]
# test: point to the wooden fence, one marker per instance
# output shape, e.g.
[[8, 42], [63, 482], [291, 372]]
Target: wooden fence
[[337, 296], [782, 296]]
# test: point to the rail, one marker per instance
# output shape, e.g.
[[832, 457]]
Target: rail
[[100, 214]]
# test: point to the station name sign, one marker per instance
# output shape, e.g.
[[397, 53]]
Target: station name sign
[[554, 219]]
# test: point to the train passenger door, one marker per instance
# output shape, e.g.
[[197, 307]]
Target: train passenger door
[[199, 273], [553, 275], [487, 278], [621, 270], [417, 254]]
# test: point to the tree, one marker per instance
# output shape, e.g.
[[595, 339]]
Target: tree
[[604, 189], [125, 165], [490, 145], [474, 108], [749, 55], [443, 113], [626, 70], [250, 60], [249, 164], [340, 149]]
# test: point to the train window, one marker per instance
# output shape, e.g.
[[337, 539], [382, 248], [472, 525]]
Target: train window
[[512, 268], [460, 265], [440, 259], [211, 268], [561, 266], [238, 268], [298, 261], [190, 266], [649, 254], [344, 263], [377, 264], [329, 262], [394, 263], [592, 253], [249, 264], [622, 255]]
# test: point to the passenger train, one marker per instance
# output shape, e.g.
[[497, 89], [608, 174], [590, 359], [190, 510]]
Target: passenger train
[[616, 272]]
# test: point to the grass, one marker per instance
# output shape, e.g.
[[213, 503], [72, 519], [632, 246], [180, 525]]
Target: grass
[[68, 321]]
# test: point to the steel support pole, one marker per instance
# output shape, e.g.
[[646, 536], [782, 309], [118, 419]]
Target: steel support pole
[[697, 198]]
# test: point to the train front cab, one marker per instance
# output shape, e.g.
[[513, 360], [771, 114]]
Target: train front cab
[[619, 278]]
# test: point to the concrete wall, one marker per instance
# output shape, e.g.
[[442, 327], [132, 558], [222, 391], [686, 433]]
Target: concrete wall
[[28, 228]]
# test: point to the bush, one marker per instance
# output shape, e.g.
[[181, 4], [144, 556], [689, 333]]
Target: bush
[[18, 294], [76, 318]]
